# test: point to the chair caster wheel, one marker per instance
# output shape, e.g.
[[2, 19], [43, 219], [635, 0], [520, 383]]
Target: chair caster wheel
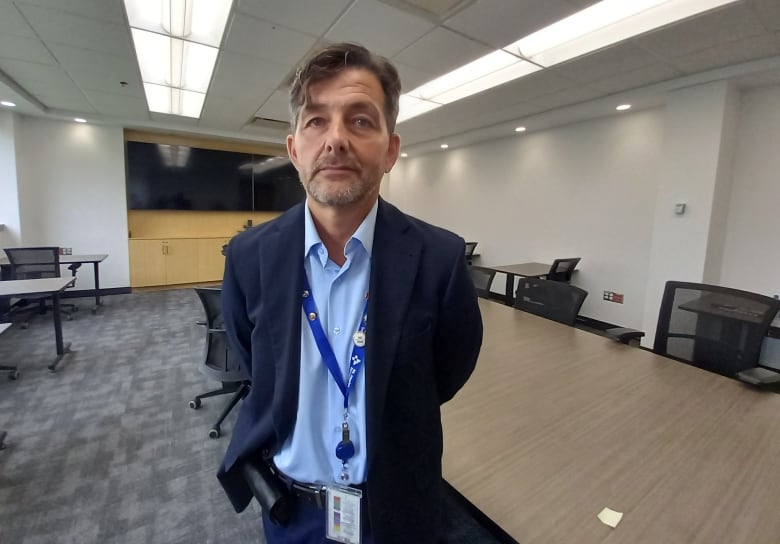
[[213, 433], [195, 404]]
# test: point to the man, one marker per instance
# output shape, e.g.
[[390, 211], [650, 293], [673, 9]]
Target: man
[[354, 321]]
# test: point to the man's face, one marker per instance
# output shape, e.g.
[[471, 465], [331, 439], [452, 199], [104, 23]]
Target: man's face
[[341, 146]]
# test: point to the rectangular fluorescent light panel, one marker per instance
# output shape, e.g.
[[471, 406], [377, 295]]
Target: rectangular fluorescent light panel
[[176, 42], [600, 25]]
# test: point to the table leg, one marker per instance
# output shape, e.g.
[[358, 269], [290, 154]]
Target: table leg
[[62, 348], [98, 302], [509, 296]]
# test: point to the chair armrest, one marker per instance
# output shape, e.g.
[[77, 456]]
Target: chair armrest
[[759, 376], [624, 335]]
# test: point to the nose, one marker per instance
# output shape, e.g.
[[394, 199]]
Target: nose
[[336, 139]]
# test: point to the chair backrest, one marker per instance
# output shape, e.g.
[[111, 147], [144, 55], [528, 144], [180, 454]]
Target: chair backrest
[[551, 299], [29, 263], [716, 328], [218, 362], [470, 247], [483, 279], [562, 269]]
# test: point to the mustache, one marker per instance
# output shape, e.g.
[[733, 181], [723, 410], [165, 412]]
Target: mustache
[[349, 164]]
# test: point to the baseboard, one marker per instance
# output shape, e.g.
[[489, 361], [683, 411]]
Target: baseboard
[[90, 293]]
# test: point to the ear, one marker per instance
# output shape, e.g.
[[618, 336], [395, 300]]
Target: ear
[[393, 150], [291, 151]]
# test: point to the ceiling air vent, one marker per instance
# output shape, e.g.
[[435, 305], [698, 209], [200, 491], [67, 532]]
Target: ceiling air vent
[[265, 122]]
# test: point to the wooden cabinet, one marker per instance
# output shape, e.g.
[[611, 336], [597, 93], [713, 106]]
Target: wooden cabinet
[[211, 262], [147, 263], [170, 261]]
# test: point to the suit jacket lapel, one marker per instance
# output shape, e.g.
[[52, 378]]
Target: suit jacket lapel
[[282, 260], [395, 263]]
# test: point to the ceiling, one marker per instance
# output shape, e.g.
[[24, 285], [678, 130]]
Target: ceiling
[[67, 58]]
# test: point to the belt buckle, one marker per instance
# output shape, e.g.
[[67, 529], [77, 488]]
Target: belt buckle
[[317, 491]]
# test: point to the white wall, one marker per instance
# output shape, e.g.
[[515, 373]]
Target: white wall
[[585, 190], [71, 181], [9, 205], [751, 254]]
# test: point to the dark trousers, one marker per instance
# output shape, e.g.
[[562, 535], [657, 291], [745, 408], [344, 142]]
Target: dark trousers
[[307, 527]]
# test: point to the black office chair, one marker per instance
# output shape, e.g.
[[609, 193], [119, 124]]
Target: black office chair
[[551, 299], [218, 364], [34, 263], [483, 279], [470, 247], [712, 327], [12, 370], [562, 269]]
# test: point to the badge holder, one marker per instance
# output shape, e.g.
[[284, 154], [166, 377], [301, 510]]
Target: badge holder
[[343, 514]]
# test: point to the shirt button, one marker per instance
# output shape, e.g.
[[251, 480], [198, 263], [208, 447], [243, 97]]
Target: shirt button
[[336, 330]]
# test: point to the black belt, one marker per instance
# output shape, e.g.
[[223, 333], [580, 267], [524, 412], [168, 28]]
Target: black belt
[[313, 493]]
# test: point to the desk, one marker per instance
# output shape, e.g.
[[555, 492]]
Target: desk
[[77, 259], [43, 286], [557, 423], [526, 270]]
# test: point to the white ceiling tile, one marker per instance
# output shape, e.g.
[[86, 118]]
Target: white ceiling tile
[[623, 57], [654, 73], [567, 97], [768, 11], [31, 71], [118, 105], [730, 23], [441, 51], [381, 28], [277, 106], [313, 18], [64, 96], [107, 10], [411, 77], [12, 22], [729, 53], [260, 39], [226, 114], [23, 48], [176, 121], [108, 82], [77, 58], [249, 77], [59, 27], [501, 22]]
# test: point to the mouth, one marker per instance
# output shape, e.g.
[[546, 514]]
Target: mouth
[[336, 168]]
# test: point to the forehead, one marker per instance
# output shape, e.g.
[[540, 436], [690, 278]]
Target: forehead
[[352, 85]]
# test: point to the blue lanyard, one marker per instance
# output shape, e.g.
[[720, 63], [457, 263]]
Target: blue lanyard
[[358, 343]]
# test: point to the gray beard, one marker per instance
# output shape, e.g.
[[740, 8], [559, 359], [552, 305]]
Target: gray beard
[[346, 195]]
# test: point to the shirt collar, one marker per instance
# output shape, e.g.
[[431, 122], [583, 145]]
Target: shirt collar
[[364, 233]]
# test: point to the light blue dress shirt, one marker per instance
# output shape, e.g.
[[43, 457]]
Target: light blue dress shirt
[[309, 453]]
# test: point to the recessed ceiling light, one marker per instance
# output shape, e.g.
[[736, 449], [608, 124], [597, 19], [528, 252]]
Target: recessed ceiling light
[[623, 107], [404, 155], [444, 146], [8, 103], [79, 120], [520, 129]]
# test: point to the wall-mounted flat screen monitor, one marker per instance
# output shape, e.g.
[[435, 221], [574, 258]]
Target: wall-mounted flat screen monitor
[[175, 177]]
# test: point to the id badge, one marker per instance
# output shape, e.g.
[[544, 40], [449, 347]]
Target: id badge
[[343, 512]]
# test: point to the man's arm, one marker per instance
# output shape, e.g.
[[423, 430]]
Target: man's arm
[[234, 311], [459, 332]]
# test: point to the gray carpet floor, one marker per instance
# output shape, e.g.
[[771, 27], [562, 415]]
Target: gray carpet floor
[[106, 449]]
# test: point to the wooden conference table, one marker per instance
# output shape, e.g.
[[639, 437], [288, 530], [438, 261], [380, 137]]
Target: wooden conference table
[[557, 423], [526, 270], [43, 286], [95, 260]]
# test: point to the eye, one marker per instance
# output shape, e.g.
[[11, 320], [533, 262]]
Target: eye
[[314, 122], [363, 122]]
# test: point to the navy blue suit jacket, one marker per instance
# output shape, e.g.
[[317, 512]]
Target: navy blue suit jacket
[[423, 333]]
